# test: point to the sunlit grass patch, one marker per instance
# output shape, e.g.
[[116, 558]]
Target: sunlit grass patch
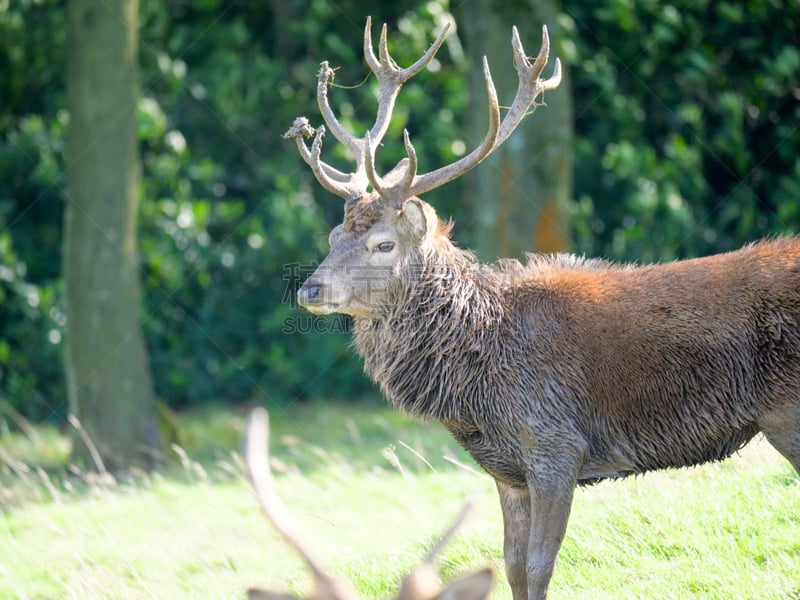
[[370, 490], [193, 529], [701, 532]]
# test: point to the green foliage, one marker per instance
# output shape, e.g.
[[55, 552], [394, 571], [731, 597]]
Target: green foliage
[[31, 322], [232, 220], [686, 121], [31, 318], [221, 218], [686, 144]]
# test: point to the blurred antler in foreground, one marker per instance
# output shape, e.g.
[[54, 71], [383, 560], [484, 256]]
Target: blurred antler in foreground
[[420, 584]]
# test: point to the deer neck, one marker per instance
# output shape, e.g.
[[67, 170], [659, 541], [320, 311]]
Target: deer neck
[[445, 315]]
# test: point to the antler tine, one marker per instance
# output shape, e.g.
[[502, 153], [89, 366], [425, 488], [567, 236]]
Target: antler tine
[[386, 60], [447, 535], [530, 86], [383, 48], [528, 89], [421, 582], [324, 79], [434, 179], [391, 77], [423, 61], [256, 453], [544, 51], [258, 469], [369, 166], [369, 54], [342, 184], [411, 168]]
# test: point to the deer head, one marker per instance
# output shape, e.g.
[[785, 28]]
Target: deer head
[[385, 223], [421, 584]]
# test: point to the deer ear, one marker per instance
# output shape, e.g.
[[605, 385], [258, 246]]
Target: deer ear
[[473, 586], [415, 218]]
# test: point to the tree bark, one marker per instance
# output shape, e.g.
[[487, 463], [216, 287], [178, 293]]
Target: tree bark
[[108, 378], [519, 194]]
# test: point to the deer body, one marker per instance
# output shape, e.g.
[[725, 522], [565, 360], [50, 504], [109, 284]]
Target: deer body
[[563, 371], [622, 369]]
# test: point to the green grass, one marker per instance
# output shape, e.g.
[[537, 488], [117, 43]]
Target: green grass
[[370, 490]]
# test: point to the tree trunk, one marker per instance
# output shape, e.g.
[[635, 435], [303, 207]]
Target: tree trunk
[[520, 193], [108, 378]]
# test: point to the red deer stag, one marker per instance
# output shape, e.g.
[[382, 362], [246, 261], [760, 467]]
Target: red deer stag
[[421, 584], [563, 371]]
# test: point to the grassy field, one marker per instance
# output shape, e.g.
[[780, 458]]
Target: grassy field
[[370, 490]]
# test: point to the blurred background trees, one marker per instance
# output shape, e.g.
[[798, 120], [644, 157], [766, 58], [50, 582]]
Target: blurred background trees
[[109, 386], [518, 200], [685, 142]]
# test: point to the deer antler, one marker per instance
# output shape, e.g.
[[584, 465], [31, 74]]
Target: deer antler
[[421, 584], [257, 459], [528, 89], [403, 182], [391, 78]]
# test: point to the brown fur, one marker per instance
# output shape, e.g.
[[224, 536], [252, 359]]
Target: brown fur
[[563, 371], [641, 368], [362, 214], [566, 371]]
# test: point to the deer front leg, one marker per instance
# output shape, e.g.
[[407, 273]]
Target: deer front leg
[[516, 505], [551, 501]]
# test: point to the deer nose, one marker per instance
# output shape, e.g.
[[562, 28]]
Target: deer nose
[[310, 293]]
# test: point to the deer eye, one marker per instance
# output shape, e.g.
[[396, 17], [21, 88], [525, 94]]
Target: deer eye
[[385, 247]]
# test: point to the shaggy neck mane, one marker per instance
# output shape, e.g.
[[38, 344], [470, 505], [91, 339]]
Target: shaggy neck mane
[[428, 349]]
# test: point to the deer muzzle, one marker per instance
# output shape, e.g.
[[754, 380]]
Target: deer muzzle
[[316, 297]]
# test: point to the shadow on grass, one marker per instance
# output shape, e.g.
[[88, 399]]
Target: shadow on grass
[[206, 447]]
